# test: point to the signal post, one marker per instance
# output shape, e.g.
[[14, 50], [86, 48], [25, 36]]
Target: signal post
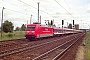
[[62, 26]]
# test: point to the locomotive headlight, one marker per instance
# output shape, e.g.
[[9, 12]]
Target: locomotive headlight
[[33, 31], [27, 31], [30, 32]]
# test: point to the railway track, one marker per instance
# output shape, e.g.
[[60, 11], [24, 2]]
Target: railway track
[[16, 44], [12, 42], [20, 49], [5, 45], [26, 48], [57, 52], [11, 45]]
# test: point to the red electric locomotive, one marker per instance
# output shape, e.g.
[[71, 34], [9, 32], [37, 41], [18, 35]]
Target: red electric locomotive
[[38, 31]]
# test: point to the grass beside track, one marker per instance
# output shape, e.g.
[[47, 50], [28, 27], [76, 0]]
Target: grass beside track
[[14, 35], [87, 45], [88, 55]]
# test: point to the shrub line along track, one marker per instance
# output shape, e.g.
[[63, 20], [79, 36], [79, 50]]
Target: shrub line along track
[[58, 47], [20, 49]]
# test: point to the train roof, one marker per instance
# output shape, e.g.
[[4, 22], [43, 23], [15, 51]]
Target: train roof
[[39, 25], [62, 28]]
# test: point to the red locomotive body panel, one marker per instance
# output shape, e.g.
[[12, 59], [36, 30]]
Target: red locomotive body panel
[[38, 31], [45, 31]]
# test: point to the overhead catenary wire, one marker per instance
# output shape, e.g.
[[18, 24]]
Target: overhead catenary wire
[[34, 7], [27, 4], [26, 9], [45, 9], [68, 6], [21, 9], [18, 6], [64, 8], [30, 6], [24, 13], [17, 12], [20, 13]]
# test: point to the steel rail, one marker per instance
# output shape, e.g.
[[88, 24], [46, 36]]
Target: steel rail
[[20, 49], [60, 54], [48, 52], [10, 43]]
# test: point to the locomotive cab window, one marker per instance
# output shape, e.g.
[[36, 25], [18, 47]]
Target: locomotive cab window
[[31, 27]]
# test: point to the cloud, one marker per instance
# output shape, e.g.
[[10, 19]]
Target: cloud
[[17, 11], [88, 11]]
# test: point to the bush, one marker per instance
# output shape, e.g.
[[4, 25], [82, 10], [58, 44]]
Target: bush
[[8, 26], [10, 35]]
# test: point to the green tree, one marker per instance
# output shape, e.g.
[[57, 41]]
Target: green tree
[[8, 26], [70, 26], [23, 27], [51, 23], [18, 29], [54, 25]]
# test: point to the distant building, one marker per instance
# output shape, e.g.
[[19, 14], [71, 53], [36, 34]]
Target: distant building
[[76, 26]]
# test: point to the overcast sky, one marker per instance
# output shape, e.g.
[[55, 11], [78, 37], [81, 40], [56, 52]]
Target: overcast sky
[[19, 11]]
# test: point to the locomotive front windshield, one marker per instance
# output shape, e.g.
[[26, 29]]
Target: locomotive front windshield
[[31, 28]]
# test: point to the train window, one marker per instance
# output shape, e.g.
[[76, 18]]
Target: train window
[[31, 27]]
